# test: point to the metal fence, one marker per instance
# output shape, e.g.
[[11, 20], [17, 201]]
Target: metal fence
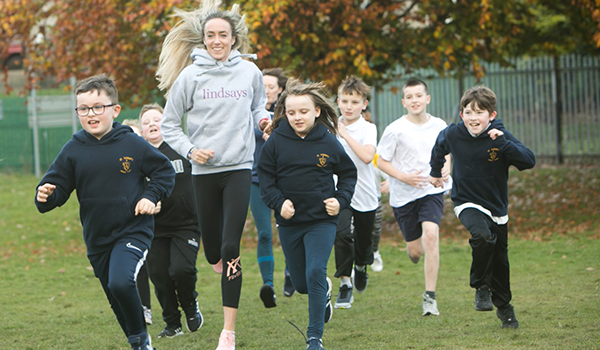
[[551, 105], [19, 141]]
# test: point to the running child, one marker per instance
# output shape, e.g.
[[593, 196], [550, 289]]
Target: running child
[[172, 259], [483, 150], [295, 171], [354, 247], [404, 152], [107, 165]]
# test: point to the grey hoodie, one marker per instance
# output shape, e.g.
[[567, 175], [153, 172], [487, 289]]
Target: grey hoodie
[[224, 102]]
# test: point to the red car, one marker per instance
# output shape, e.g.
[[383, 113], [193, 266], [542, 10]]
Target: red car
[[14, 56]]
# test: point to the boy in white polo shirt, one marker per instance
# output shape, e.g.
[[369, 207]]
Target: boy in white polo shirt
[[404, 153], [354, 250]]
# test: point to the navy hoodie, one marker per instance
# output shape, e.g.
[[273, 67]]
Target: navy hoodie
[[480, 164], [178, 211], [301, 170], [109, 177]]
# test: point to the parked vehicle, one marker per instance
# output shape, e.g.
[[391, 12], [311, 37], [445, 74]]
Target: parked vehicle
[[13, 59]]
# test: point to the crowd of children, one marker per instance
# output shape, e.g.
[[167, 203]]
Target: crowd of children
[[280, 146]]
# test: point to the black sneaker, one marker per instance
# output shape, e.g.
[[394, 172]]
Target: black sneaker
[[328, 306], [288, 288], [193, 318], [170, 332], [267, 295], [507, 315], [314, 344], [344, 298], [483, 299], [360, 279]]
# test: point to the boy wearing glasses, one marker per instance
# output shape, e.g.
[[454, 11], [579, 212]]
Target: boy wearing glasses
[[107, 164]]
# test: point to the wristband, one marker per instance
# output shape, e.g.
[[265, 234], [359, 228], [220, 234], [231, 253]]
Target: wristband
[[189, 155]]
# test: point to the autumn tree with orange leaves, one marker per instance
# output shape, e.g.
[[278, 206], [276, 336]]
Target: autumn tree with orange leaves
[[65, 38], [313, 39]]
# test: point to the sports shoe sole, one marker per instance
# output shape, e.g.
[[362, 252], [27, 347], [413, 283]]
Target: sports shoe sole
[[484, 308], [328, 306], [343, 305], [267, 295]]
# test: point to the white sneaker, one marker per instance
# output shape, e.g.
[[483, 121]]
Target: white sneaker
[[147, 315], [227, 340], [377, 265], [429, 306]]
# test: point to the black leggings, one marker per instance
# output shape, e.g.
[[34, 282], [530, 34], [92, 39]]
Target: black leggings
[[223, 200]]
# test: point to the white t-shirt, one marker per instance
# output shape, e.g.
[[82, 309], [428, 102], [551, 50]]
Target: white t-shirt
[[365, 193], [407, 146]]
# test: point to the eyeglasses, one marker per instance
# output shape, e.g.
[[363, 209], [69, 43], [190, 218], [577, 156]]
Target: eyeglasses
[[98, 109]]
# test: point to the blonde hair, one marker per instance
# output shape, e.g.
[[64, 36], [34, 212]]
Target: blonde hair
[[316, 91], [149, 107], [188, 34]]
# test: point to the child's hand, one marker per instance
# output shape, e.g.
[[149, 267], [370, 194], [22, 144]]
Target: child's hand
[[445, 174], [416, 180], [144, 207], [157, 208], [202, 155], [44, 191], [266, 127], [287, 209], [385, 186], [495, 133], [436, 182], [332, 206], [342, 130]]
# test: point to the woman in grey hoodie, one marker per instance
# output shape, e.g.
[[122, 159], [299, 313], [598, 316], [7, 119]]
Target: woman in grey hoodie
[[202, 68]]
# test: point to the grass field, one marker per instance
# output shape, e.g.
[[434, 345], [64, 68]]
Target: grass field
[[50, 299]]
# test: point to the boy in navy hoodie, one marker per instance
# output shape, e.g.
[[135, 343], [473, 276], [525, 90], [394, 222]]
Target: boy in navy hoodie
[[483, 151], [107, 164]]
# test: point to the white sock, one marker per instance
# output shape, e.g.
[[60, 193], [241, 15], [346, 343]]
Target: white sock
[[345, 281]]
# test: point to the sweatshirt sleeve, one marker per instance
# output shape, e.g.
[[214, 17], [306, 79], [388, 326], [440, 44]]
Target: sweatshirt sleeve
[[157, 167], [179, 102], [516, 152], [347, 177], [267, 177], [61, 175], [259, 100], [438, 153]]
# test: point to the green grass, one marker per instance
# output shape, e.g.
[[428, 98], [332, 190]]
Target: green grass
[[50, 299]]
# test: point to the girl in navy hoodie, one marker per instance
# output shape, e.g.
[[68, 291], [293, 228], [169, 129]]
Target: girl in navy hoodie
[[296, 173]]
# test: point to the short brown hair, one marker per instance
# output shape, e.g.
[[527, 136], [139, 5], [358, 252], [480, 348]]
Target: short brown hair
[[277, 73], [415, 82], [354, 85], [483, 97], [99, 83]]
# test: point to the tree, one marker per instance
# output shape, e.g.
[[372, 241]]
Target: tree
[[327, 40], [313, 39], [85, 37]]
